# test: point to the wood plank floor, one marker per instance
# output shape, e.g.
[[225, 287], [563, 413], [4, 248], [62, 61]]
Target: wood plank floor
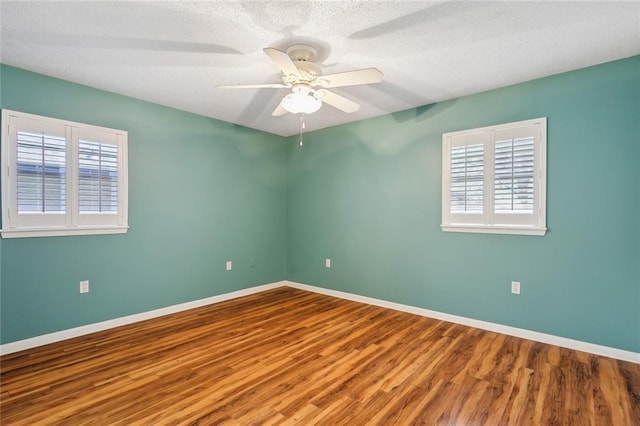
[[288, 356]]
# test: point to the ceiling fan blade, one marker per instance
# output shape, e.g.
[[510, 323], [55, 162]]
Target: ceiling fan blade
[[351, 78], [338, 101], [282, 60], [279, 111], [254, 86]]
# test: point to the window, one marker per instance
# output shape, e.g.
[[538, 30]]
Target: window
[[494, 179], [61, 177]]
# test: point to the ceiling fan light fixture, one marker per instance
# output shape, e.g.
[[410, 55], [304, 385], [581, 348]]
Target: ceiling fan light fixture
[[303, 100]]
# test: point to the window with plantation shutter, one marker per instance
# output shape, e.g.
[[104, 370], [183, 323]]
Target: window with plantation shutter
[[494, 179], [61, 177]]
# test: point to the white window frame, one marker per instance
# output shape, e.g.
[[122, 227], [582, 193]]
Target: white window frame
[[71, 221], [488, 221]]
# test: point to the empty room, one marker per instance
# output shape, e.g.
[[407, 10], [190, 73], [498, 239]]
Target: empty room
[[320, 212]]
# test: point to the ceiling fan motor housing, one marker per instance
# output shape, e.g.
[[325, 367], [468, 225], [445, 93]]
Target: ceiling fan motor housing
[[302, 56], [302, 52]]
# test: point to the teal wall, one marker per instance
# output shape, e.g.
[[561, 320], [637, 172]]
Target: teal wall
[[200, 192], [368, 196]]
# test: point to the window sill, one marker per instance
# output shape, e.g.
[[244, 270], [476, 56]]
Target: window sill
[[495, 229], [61, 232]]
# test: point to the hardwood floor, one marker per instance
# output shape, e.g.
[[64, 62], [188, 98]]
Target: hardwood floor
[[287, 356]]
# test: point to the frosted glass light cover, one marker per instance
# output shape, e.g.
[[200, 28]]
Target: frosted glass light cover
[[299, 103]]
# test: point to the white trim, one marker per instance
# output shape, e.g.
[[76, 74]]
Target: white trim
[[62, 232], [58, 336], [494, 229], [484, 325]]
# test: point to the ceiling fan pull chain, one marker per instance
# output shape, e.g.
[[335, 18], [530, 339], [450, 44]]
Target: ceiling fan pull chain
[[302, 126]]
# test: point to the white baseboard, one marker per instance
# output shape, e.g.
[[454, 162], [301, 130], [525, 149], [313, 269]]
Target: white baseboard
[[498, 328], [45, 339]]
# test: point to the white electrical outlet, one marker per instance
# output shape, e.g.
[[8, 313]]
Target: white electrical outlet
[[327, 263], [515, 287], [84, 286], [229, 265]]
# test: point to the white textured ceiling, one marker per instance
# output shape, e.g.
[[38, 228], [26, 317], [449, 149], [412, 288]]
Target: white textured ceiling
[[175, 53]]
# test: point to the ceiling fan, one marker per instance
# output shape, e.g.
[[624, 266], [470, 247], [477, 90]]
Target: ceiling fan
[[308, 85]]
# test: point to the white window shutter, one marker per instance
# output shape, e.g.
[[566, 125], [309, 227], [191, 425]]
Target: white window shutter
[[97, 177], [514, 175], [467, 178], [41, 172]]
